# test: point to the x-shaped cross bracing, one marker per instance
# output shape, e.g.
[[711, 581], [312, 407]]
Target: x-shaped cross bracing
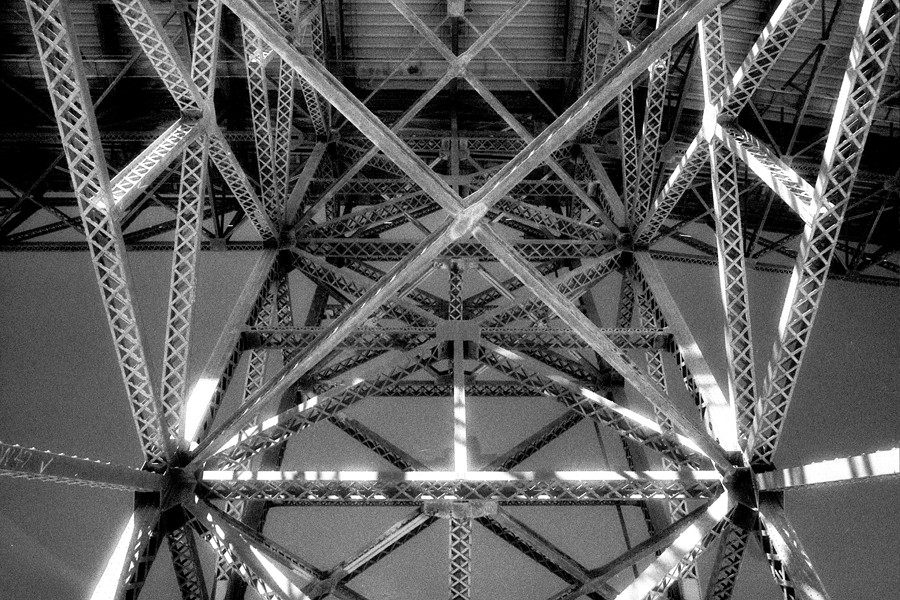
[[102, 200]]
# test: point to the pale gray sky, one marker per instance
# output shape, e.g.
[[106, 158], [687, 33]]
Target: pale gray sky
[[61, 390]]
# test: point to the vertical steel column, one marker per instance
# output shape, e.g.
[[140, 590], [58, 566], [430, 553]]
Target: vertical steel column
[[460, 557], [182, 295], [729, 232], [69, 93], [458, 368], [183, 283], [651, 132], [258, 87]]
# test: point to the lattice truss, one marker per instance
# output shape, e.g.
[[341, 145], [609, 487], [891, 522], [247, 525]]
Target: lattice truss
[[456, 287]]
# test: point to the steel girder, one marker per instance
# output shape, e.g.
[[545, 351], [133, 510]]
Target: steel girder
[[16, 461], [512, 487], [172, 426], [90, 179], [872, 47]]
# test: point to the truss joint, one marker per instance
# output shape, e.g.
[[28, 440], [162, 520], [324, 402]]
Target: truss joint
[[179, 486], [469, 509]]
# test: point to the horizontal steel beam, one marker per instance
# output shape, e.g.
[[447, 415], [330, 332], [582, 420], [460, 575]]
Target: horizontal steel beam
[[397, 249], [392, 488], [479, 389], [389, 338], [28, 463]]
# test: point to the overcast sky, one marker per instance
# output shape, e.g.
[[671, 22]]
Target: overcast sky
[[61, 390]]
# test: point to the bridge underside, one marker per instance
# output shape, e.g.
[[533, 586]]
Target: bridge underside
[[450, 231]]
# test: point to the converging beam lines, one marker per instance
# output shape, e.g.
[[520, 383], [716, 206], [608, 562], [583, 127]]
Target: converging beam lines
[[276, 310], [573, 285], [352, 108], [783, 25], [349, 291], [252, 558], [389, 286], [594, 99], [377, 444], [601, 344], [275, 572], [535, 442], [382, 328], [784, 181], [145, 26], [239, 184], [733, 95]]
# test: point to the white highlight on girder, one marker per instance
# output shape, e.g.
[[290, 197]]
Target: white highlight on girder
[[277, 577], [109, 580], [629, 414], [393, 476], [802, 203], [196, 406], [642, 420], [669, 559], [835, 133], [460, 436], [763, 38], [788, 306], [269, 423], [877, 464], [719, 411], [508, 354]]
